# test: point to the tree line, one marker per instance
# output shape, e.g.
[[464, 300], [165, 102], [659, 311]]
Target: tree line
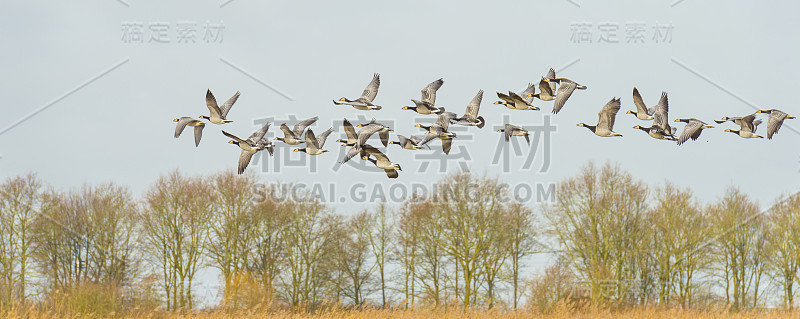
[[609, 239]]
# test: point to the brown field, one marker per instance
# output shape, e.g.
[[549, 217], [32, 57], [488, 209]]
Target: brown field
[[421, 313]]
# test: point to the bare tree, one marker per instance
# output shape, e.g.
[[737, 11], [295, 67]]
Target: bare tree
[[679, 234], [521, 243], [408, 246], [553, 285], [308, 254], [495, 257], [380, 239], [270, 218], [112, 221], [597, 219], [20, 201], [739, 247], [87, 244], [232, 231], [177, 214], [354, 258], [466, 213], [784, 242], [430, 256]]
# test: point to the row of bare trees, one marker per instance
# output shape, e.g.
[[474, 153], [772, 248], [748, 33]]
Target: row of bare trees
[[625, 242], [610, 239], [56, 242], [463, 245]]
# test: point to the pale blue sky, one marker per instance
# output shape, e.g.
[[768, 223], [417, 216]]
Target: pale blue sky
[[119, 126]]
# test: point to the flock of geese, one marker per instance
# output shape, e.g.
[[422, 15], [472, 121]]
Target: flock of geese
[[550, 88]]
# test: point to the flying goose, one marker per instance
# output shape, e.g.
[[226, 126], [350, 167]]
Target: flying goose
[[547, 89], [313, 144], [292, 137], [371, 128], [655, 132], [218, 113], [565, 89], [381, 161], [521, 101], [748, 126], [471, 117], [443, 119], [439, 129], [661, 116], [352, 137], [427, 104], [605, 123], [411, 143], [735, 119], [323, 137], [642, 112], [775, 121], [364, 102], [362, 136], [513, 130], [256, 142], [197, 124], [692, 129]]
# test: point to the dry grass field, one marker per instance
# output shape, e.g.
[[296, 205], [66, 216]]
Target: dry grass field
[[418, 313]]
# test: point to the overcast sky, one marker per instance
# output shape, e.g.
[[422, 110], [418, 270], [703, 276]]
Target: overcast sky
[[91, 87]]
